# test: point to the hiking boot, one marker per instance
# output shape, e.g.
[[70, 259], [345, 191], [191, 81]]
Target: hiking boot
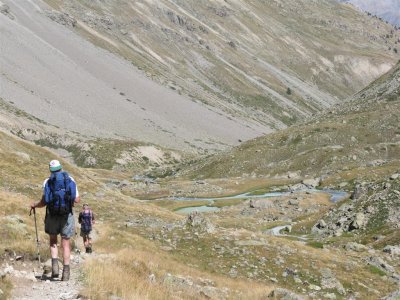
[[87, 249], [54, 268], [65, 274]]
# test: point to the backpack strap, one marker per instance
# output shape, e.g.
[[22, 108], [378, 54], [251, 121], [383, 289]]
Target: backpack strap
[[67, 186]]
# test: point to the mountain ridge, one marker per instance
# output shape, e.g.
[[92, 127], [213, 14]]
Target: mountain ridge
[[388, 10], [220, 89]]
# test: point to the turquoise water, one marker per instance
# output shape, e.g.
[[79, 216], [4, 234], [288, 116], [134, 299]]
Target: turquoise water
[[239, 196], [202, 209], [335, 197]]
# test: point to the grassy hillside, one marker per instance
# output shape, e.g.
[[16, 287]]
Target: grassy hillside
[[147, 252], [350, 139], [23, 169], [86, 151]]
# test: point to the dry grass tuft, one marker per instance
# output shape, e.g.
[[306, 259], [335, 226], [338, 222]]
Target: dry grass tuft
[[125, 273]]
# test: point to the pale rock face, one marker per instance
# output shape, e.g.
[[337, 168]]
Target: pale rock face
[[280, 293], [355, 247], [312, 182], [198, 221], [392, 250], [359, 221]]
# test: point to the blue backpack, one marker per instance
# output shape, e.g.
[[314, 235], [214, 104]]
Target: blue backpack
[[59, 194], [85, 218]]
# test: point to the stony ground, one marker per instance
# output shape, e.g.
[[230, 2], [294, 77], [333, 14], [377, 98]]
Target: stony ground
[[33, 281], [30, 282]]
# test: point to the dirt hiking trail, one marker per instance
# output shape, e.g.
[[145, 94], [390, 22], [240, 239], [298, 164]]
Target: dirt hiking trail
[[31, 282]]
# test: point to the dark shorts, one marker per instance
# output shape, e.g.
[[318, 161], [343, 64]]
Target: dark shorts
[[64, 225], [85, 234]]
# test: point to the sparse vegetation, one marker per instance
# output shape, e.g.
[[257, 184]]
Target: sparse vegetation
[[376, 270], [301, 240], [316, 244]]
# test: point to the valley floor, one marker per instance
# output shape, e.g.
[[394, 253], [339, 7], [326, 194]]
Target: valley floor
[[146, 251]]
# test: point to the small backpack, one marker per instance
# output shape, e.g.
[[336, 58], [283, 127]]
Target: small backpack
[[85, 218], [59, 194]]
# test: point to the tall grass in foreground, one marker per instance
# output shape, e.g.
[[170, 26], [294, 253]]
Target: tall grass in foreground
[[121, 278], [125, 273]]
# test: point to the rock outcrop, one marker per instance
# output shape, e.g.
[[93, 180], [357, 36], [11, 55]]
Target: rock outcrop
[[199, 222], [284, 294], [62, 18], [5, 10], [372, 205]]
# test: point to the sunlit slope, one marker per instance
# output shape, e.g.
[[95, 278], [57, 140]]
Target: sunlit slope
[[259, 66], [361, 133], [53, 74], [273, 61]]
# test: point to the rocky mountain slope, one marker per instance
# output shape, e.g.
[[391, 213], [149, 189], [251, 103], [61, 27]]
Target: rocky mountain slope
[[388, 10], [231, 71], [53, 74], [264, 56], [349, 140], [300, 244], [84, 150]]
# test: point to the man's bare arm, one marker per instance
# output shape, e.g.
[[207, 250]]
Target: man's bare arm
[[39, 204]]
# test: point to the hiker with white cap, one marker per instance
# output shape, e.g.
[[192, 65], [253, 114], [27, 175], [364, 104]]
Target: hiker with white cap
[[60, 193]]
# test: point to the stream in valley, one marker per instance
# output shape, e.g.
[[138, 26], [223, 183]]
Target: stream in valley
[[335, 197]]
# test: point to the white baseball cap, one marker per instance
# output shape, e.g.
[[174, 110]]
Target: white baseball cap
[[55, 165]]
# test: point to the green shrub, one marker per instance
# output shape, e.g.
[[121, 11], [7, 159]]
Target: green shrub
[[316, 244], [376, 270]]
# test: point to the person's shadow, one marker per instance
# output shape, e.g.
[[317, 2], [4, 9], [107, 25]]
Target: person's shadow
[[45, 277]]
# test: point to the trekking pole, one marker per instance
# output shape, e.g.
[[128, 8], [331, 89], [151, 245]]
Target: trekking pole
[[37, 236], [77, 250]]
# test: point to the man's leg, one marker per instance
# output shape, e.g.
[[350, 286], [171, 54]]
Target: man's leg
[[54, 255], [66, 233], [67, 257], [53, 246], [66, 250]]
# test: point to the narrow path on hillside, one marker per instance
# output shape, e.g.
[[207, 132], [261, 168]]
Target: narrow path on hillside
[[31, 282], [34, 285]]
